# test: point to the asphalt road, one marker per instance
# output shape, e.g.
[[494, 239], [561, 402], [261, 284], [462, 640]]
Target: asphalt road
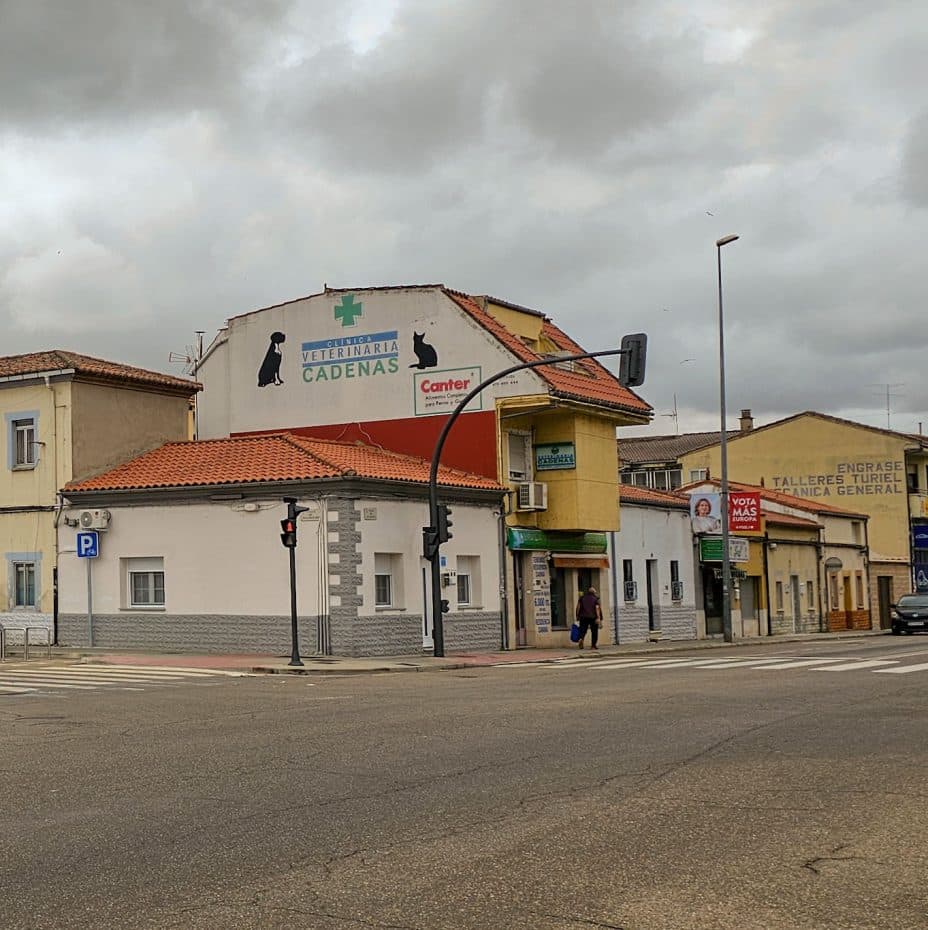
[[649, 797]]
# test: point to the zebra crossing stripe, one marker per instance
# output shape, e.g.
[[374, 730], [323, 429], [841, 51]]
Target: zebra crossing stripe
[[734, 663], [860, 663], [49, 684], [796, 663], [77, 677], [176, 669], [645, 663], [903, 670]]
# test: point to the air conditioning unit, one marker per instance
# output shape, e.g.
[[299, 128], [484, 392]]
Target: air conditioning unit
[[449, 578], [532, 495], [95, 519]]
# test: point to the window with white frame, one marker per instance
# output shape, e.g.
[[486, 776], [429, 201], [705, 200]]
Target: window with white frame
[[144, 583], [23, 442], [628, 578], [520, 455], [387, 579], [699, 474], [24, 589], [468, 581]]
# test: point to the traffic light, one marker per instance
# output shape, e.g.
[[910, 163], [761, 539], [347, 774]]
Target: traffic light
[[444, 523], [429, 542], [288, 536], [288, 524], [631, 362]]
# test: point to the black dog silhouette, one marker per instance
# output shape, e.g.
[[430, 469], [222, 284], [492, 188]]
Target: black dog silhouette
[[428, 357], [269, 373]]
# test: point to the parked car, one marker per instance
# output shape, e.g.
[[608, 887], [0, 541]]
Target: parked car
[[910, 614]]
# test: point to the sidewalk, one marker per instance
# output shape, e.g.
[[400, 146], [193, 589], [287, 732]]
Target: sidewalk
[[346, 665]]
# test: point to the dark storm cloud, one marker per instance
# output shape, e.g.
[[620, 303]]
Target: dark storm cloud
[[455, 77], [67, 62], [171, 164]]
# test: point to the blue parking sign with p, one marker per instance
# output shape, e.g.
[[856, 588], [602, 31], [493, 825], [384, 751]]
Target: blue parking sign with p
[[88, 545]]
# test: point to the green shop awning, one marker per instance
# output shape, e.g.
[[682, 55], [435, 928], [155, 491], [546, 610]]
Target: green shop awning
[[555, 541]]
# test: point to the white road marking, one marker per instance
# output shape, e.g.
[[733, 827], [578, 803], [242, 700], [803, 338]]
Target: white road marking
[[177, 669], [902, 670], [47, 684], [860, 663], [796, 663], [78, 676], [735, 663]]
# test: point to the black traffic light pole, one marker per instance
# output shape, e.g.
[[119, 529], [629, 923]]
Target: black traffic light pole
[[633, 346], [288, 538]]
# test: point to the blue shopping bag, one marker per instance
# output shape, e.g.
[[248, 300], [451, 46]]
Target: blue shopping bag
[[575, 633]]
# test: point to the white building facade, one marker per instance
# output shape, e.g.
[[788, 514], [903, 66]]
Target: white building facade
[[653, 568], [201, 567]]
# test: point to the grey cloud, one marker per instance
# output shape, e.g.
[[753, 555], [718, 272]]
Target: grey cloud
[[64, 63], [562, 156], [915, 162], [454, 77]]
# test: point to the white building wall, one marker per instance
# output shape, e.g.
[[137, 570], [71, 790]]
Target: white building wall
[[219, 558], [328, 379], [227, 581], [652, 533]]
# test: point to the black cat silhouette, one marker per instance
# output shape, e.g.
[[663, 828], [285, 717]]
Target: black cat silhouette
[[428, 357], [269, 373]]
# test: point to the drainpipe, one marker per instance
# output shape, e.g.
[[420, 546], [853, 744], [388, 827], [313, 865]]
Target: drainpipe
[[820, 570], [615, 588], [323, 624], [767, 582], [503, 596]]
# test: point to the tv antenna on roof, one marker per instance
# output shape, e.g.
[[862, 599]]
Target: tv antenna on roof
[[890, 392], [190, 356], [673, 415]]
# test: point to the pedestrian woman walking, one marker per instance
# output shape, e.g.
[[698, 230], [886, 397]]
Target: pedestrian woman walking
[[589, 616]]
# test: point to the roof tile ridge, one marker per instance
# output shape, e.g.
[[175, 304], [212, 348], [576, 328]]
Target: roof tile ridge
[[296, 443]]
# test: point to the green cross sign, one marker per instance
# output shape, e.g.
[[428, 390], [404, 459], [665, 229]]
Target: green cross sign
[[348, 310]]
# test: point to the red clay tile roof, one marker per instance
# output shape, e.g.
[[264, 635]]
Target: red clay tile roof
[[593, 384], [97, 368], [635, 495], [653, 450], [810, 504], [262, 459]]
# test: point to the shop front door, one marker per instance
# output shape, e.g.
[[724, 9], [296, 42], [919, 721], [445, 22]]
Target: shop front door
[[712, 600]]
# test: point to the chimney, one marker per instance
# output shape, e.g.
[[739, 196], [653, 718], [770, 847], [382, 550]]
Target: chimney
[[746, 423]]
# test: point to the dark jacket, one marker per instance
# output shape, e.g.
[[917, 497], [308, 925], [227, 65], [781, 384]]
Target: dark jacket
[[586, 608]]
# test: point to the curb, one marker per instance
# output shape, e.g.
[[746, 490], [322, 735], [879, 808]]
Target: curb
[[648, 649]]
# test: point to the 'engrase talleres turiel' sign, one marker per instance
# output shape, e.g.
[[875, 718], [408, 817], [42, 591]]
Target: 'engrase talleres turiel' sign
[[849, 479]]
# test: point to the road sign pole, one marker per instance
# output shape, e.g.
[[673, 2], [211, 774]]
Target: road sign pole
[[294, 629], [89, 601]]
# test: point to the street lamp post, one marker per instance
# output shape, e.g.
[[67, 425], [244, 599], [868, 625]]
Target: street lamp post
[[727, 632]]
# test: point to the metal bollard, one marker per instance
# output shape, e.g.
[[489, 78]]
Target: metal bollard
[[2, 644]]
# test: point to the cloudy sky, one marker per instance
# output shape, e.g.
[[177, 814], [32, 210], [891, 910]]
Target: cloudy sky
[[164, 166]]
